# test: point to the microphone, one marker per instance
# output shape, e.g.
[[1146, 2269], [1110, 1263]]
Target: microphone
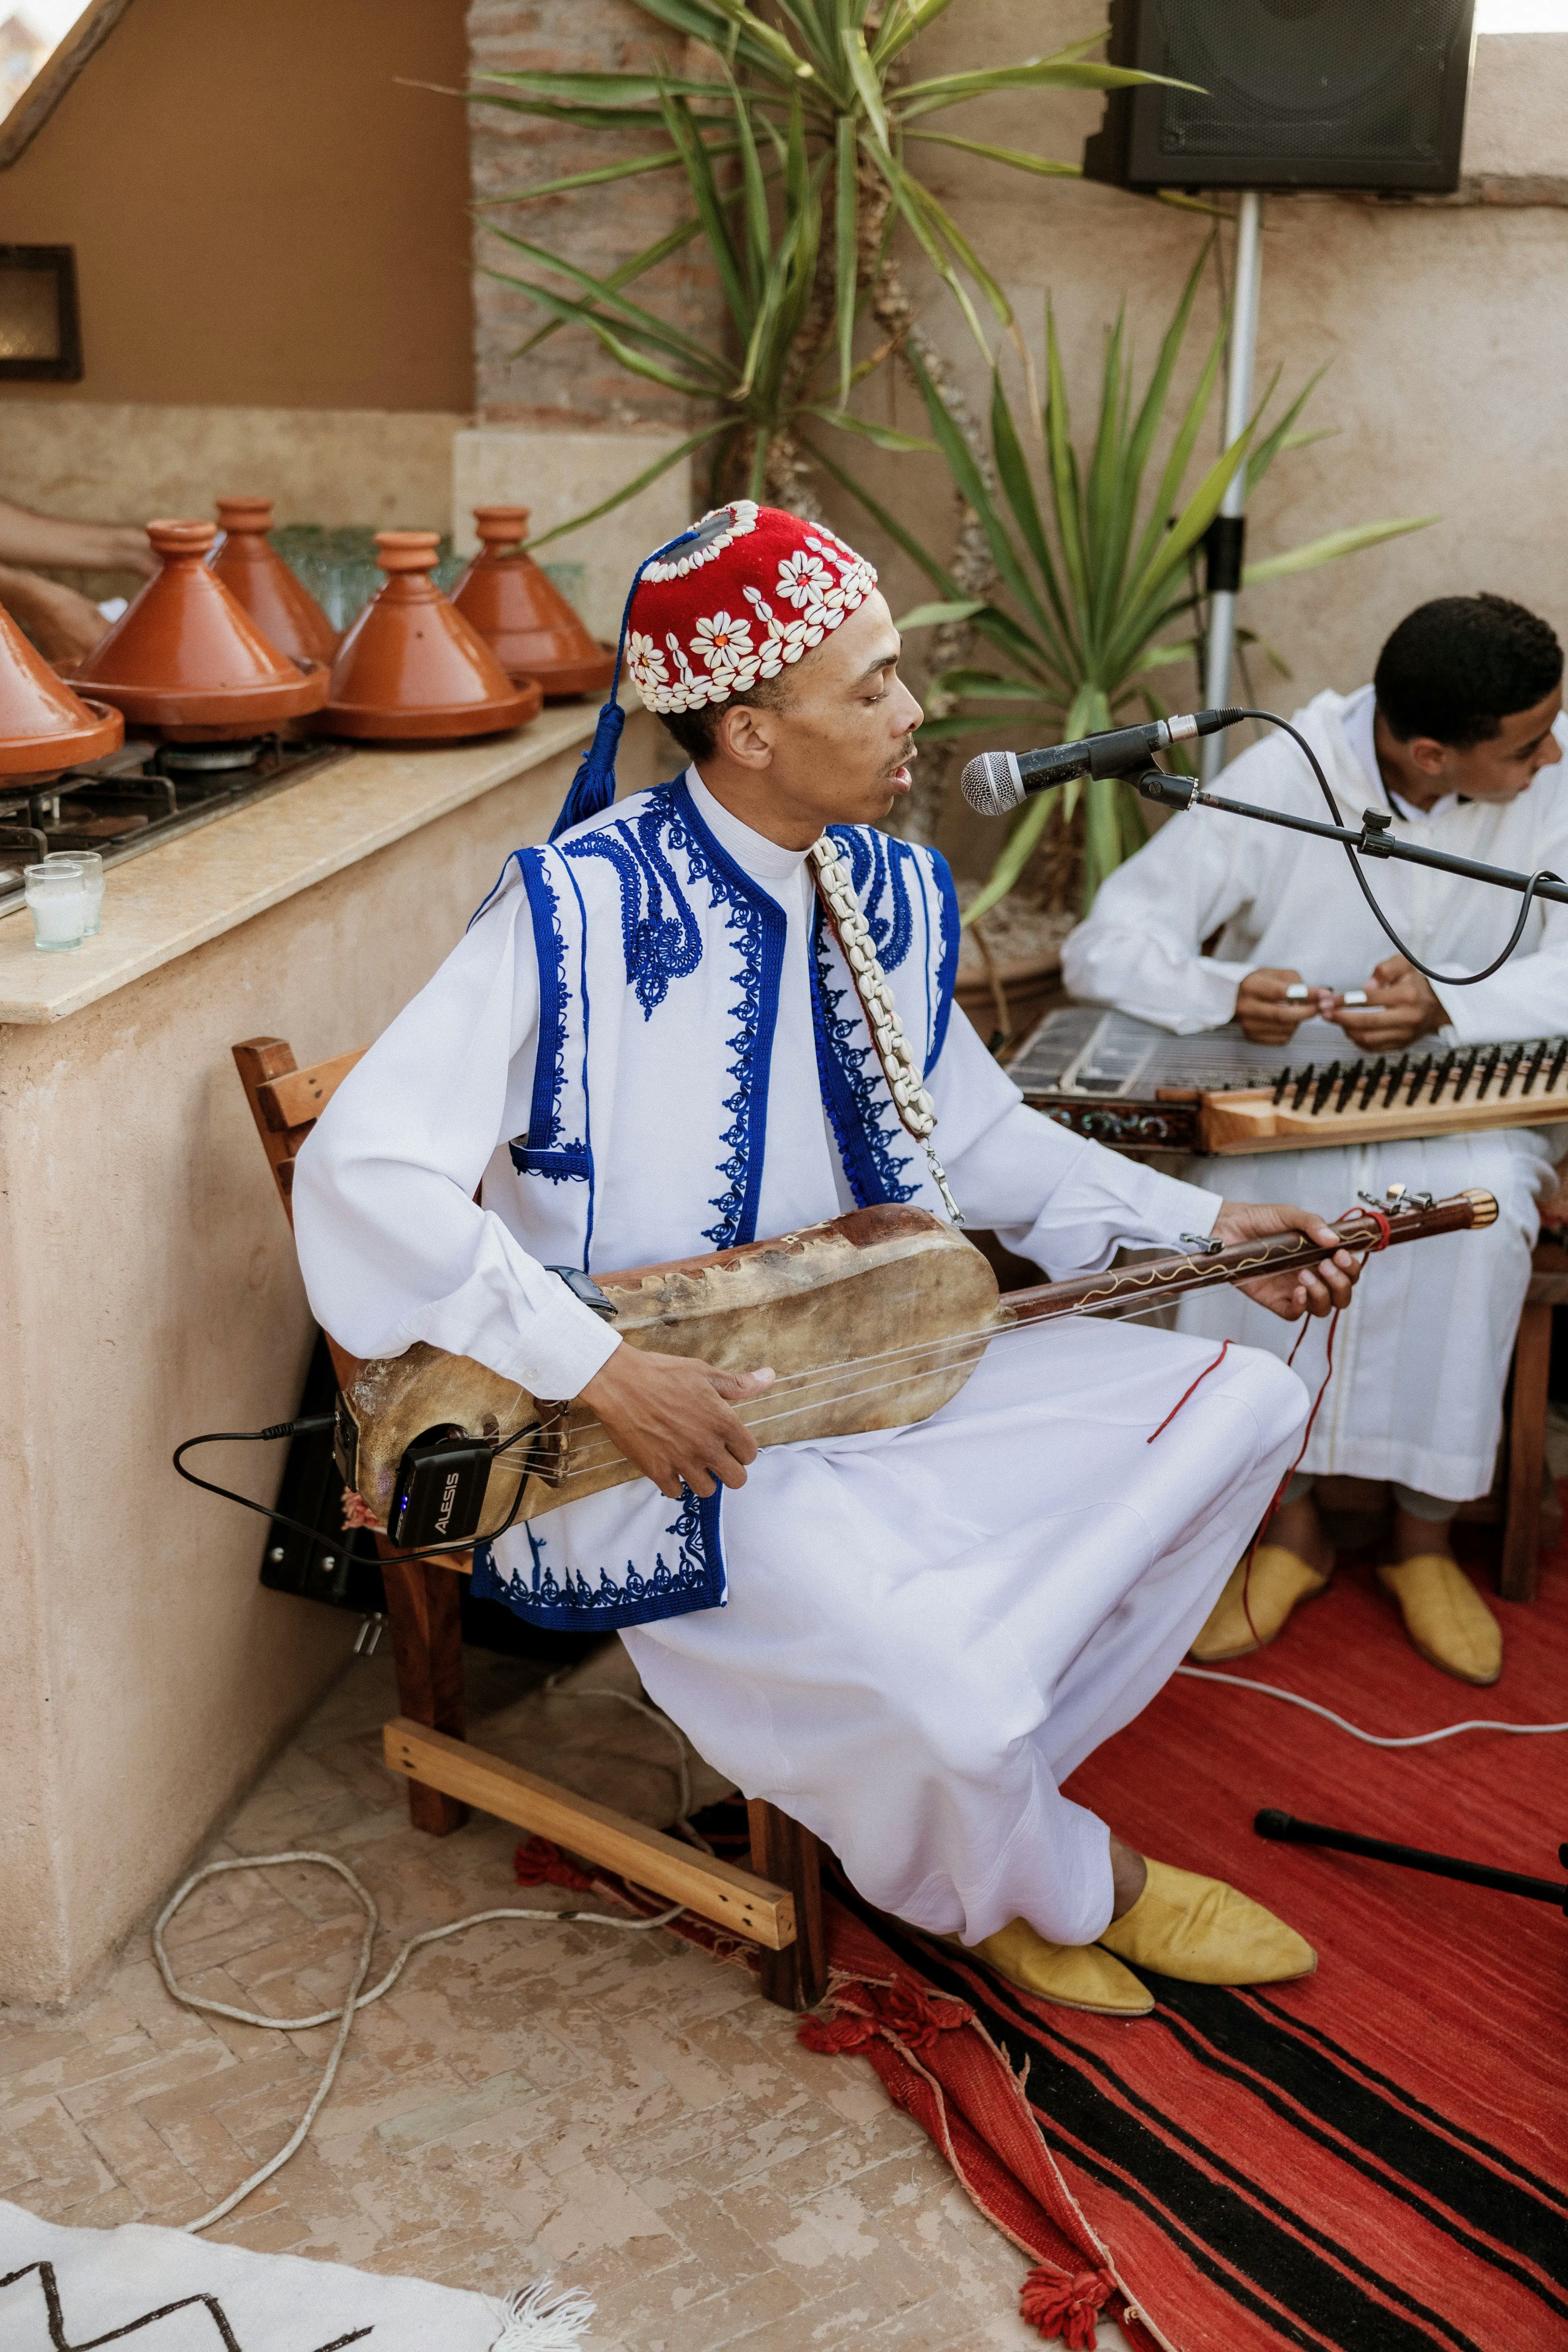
[[997, 781]]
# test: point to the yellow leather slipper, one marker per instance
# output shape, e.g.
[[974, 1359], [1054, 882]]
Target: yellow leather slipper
[[1078, 1976], [1206, 1932], [1446, 1617], [1280, 1579]]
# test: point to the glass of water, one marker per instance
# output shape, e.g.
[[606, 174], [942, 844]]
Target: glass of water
[[60, 902], [91, 865]]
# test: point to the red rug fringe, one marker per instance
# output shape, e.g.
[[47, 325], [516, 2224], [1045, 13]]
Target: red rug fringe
[[935, 2061]]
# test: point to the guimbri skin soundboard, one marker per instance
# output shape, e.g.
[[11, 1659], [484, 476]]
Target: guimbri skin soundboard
[[1125, 1083]]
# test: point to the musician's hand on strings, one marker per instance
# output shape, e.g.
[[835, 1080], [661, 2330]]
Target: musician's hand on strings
[[1304, 1290], [674, 1417], [1401, 1006], [1268, 1014]]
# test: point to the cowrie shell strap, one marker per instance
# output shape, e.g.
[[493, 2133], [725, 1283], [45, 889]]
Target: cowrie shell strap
[[916, 1110]]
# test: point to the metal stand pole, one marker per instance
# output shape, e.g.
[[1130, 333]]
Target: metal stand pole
[[1272, 1823], [1227, 534]]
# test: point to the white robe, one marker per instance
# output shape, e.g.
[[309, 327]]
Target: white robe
[[1422, 1355], [921, 1631]]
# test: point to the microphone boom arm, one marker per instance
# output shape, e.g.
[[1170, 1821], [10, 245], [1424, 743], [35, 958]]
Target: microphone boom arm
[[1371, 841]]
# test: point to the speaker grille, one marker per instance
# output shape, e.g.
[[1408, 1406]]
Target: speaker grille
[[1331, 80]]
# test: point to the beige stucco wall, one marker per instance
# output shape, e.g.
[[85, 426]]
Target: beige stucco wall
[[1441, 322], [148, 1290], [267, 204], [128, 461]]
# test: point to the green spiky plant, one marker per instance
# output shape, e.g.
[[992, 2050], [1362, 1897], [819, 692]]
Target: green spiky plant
[[1093, 571], [796, 153]]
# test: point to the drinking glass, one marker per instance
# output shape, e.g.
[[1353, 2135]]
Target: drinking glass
[[91, 865], [60, 903]]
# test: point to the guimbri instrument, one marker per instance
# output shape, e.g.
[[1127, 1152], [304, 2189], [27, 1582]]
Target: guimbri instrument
[[870, 1321], [1126, 1083]]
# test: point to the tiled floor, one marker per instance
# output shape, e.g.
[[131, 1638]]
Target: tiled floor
[[616, 2109]]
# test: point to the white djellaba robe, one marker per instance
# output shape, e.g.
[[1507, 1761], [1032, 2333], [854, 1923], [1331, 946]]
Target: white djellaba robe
[[645, 1047], [1421, 1356]]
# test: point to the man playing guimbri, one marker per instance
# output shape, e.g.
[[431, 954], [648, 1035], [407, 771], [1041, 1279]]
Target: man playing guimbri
[[647, 1047], [1458, 739]]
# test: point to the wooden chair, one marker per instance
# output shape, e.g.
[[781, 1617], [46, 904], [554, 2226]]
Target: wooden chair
[[1522, 1474], [777, 1905]]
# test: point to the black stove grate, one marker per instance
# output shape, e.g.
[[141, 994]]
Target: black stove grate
[[144, 795]]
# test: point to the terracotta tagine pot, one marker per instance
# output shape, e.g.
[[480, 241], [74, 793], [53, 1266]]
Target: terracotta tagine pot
[[188, 660], [250, 568], [43, 727], [412, 670], [522, 614]]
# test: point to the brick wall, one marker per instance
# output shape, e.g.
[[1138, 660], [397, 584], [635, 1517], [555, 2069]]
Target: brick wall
[[571, 381]]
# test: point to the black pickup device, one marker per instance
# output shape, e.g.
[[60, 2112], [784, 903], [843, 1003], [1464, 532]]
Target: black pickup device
[[439, 1490]]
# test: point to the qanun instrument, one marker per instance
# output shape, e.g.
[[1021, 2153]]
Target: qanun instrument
[[871, 1321], [1120, 1081]]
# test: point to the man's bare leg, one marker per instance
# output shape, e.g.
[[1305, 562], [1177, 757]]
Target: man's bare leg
[[1297, 1527], [1412, 1537], [1129, 1873]]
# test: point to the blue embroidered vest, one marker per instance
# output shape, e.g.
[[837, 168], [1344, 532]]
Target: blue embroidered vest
[[661, 1072]]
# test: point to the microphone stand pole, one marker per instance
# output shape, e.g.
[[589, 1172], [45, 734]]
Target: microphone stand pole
[[1273, 1824], [1373, 840], [1226, 534]]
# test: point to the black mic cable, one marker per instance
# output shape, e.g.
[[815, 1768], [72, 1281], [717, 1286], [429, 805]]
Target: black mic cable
[[996, 782], [1448, 978]]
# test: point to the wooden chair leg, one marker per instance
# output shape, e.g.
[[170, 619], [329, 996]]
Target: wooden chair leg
[[782, 1851], [1526, 1454], [424, 1611]]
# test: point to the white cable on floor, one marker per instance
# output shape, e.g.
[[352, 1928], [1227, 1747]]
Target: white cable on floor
[[552, 1689], [355, 1999], [1373, 1739]]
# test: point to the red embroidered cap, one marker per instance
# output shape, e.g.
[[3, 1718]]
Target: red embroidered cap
[[750, 591]]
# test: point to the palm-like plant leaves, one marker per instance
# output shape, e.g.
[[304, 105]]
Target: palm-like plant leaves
[[817, 88], [1094, 565]]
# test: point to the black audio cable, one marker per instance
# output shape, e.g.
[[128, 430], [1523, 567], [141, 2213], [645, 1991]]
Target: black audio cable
[[311, 1427], [1449, 979]]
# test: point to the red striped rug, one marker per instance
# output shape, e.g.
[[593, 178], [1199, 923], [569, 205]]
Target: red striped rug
[[1376, 2158], [1372, 2160]]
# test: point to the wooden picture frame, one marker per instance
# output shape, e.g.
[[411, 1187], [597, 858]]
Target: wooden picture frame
[[22, 267]]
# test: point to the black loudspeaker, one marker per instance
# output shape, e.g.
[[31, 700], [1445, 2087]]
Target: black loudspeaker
[[1367, 94]]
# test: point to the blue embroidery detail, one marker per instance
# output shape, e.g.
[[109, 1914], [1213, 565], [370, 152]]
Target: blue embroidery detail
[[886, 865], [947, 971], [849, 1091], [758, 924], [658, 947], [570, 1603], [542, 1152]]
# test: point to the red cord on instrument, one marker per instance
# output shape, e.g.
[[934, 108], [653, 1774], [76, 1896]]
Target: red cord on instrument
[[1385, 1235], [1197, 1384]]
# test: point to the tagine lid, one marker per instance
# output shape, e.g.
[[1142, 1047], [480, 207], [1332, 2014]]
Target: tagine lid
[[523, 615], [188, 654], [412, 667], [279, 602], [44, 726]]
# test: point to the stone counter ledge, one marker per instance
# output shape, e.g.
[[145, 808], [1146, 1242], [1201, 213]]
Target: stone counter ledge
[[174, 899]]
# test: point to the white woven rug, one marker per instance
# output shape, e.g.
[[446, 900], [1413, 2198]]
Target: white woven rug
[[161, 2291]]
